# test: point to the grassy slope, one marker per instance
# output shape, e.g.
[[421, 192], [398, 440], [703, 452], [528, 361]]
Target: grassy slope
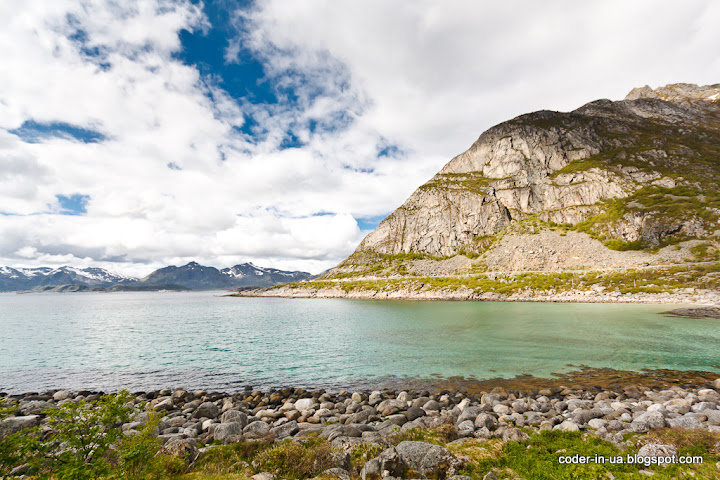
[[691, 158], [536, 459]]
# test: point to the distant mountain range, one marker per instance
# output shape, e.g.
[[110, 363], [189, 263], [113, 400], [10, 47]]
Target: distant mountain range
[[192, 276], [198, 277]]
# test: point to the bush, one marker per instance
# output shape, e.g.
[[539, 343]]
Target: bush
[[295, 460]]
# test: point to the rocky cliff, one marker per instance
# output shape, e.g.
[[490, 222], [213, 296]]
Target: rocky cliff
[[616, 197], [637, 174]]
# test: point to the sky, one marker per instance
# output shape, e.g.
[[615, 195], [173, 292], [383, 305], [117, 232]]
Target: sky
[[136, 134]]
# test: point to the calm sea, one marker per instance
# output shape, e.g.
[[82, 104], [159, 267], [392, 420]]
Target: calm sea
[[149, 340]]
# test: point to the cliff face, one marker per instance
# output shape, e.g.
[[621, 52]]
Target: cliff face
[[637, 174]]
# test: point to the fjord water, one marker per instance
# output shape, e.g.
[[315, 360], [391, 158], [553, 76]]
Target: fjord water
[[151, 340]]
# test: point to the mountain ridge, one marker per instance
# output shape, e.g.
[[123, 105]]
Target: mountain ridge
[[610, 186], [194, 276]]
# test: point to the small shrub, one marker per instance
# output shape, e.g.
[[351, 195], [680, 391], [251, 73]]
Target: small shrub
[[295, 460]]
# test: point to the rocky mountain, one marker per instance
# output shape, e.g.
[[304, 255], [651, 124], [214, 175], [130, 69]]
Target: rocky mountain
[[249, 275], [611, 185], [192, 276], [12, 279], [198, 277]]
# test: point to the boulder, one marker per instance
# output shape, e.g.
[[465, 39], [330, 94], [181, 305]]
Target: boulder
[[340, 473], [427, 459], [486, 420], [415, 412], [304, 404], [61, 395], [469, 413], [185, 448], [686, 421], [257, 429], [225, 430], [567, 426], [648, 421], [388, 463], [658, 450], [207, 410], [514, 435], [14, 424], [286, 430], [713, 417], [234, 416]]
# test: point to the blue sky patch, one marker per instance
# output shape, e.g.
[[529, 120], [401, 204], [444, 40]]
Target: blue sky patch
[[74, 204], [36, 132], [370, 223]]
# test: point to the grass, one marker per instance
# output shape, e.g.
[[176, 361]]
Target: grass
[[537, 458], [650, 280]]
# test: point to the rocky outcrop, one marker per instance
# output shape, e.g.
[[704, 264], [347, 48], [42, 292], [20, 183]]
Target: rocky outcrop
[[617, 165]]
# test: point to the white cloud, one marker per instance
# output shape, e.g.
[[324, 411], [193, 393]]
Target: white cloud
[[425, 76]]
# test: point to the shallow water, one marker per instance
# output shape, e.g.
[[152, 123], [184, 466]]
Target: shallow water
[[149, 340]]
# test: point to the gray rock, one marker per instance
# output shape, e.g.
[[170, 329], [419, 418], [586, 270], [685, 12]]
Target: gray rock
[[466, 428], [263, 476], [340, 473], [62, 395], [340, 460], [371, 470], [685, 422], [428, 459], [567, 426], [234, 416], [704, 407], [514, 435], [14, 424], [225, 430], [431, 406], [597, 423], [487, 421], [286, 430], [207, 410], [256, 429], [469, 413], [415, 412], [658, 450], [584, 416], [375, 398], [185, 448], [648, 421], [713, 418], [304, 404]]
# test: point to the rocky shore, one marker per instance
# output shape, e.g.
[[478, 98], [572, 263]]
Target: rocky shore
[[709, 297], [372, 419]]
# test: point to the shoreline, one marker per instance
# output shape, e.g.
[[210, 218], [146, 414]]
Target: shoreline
[[464, 294], [583, 377], [361, 433], [497, 412]]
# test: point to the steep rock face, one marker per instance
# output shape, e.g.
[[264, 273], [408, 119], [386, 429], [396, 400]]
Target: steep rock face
[[619, 171]]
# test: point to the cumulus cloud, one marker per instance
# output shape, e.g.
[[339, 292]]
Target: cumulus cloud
[[372, 99]]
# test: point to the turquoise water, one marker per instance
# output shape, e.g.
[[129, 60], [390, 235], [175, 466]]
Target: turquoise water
[[148, 340]]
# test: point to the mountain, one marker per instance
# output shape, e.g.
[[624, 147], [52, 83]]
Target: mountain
[[249, 275], [12, 279], [610, 186], [196, 276], [191, 276]]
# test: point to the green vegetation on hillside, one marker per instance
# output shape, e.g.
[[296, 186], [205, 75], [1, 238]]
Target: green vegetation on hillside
[[647, 280]]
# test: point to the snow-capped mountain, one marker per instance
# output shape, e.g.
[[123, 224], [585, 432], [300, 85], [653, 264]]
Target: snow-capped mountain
[[192, 276], [196, 276], [12, 279], [248, 274]]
